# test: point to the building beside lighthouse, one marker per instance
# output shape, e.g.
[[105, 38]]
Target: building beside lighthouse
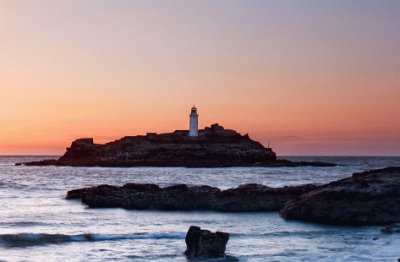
[[193, 123]]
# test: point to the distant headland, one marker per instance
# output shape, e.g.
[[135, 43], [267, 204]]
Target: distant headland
[[212, 146]]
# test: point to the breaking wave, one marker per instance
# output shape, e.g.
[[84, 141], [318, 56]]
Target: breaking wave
[[34, 239]]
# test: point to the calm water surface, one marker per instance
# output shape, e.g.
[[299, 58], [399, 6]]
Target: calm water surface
[[38, 224]]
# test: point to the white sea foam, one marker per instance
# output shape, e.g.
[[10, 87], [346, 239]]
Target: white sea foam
[[33, 239]]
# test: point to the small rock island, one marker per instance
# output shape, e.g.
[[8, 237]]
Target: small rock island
[[212, 146]]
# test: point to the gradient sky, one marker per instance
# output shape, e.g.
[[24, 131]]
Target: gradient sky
[[313, 77]]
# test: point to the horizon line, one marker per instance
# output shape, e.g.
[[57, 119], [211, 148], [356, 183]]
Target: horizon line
[[284, 155]]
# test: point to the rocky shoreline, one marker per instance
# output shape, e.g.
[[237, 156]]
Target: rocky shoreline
[[370, 197], [214, 147], [211, 164], [245, 198]]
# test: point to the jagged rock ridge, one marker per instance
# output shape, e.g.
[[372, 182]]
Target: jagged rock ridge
[[245, 198], [371, 197]]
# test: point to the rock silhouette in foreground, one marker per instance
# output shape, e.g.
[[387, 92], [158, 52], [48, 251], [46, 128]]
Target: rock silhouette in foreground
[[214, 147], [371, 197], [205, 244], [248, 197]]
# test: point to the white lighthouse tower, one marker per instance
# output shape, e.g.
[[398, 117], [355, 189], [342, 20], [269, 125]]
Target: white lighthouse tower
[[194, 123]]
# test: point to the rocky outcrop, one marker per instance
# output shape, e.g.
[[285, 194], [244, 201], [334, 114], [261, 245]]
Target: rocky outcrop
[[202, 244], [371, 197], [245, 198], [214, 147], [256, 197]]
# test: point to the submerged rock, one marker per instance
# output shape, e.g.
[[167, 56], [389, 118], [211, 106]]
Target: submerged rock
[[390, 229], [387, 230], [371, 197], [205, 244], [249, 197]]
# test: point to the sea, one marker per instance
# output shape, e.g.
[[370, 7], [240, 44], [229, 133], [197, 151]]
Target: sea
[[37, 223]]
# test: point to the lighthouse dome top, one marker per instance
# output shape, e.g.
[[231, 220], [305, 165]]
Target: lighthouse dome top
[[194, 109]]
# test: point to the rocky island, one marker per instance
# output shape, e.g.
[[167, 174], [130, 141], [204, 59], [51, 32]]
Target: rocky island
[[213, 146]]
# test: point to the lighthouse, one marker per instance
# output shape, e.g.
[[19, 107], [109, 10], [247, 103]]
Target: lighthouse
[[194, 123]]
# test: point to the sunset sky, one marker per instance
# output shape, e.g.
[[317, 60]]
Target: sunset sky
[[313, 77]]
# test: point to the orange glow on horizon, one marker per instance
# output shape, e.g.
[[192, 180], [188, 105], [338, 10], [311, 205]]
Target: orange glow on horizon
[[326, 88]]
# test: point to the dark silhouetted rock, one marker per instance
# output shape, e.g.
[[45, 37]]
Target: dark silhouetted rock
[[214, 147], [205, 244], [256, 197], [142, 187], [371, 197], [77, 193], [249, 197]]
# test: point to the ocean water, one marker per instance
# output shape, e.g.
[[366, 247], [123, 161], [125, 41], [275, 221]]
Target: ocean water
[[38, 224]]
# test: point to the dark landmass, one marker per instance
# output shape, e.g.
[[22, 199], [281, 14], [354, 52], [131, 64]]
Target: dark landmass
[[371, 197], [203, 244], [214, 147], [245, 198]]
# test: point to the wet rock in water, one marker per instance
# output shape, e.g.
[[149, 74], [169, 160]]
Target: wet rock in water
[[245, 198], [257, 197], [205, 244], [371, 197], [77, 193]]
